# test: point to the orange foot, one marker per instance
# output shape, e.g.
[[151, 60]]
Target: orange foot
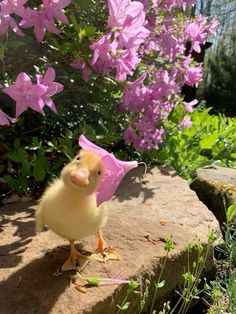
[[76, 261], [103, 253]]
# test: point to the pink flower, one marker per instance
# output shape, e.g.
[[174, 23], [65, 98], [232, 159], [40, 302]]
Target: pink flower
[[81, 65], [8, 7], [186, 122], [43, 19], [53, 88], [188, 106], [192, 74], [55, 7], [212, 27], [196, 32], [135, 96], [133, 32], [12, 6], [115, 170], [35, 96], [103, 49], [121, 11], [26, 94], [125, 63], [5, 119]]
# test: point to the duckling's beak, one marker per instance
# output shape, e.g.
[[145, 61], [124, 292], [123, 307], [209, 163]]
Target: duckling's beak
[[80, 177]]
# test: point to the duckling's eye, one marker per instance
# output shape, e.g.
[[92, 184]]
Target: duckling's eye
[[99, 172], [77, 158]]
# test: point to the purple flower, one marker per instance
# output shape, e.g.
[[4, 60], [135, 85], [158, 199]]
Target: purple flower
[[103, 49], [35, 96], [212, 27], [118, 49], [196, 32], [135, 96], [192, 74], [125, 63], [43, 19], [188, 106], [115, 170], [26, 94], [121, 11], [53, 88], [186, 122], [8, 7], [5, 119], [55, 8], [12, 6]]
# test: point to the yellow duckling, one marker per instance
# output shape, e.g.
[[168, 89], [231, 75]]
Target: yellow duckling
[[68, 206]]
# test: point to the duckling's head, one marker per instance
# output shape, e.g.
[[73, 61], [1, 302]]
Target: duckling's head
[[84, 173]]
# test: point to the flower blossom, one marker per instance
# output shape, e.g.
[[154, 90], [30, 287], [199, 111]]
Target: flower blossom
[[53, 88], [186, 123], [44, 19], [34, 96], [192, 74], [118, 48], [136, 31], [115, 170], [5, 119], [188, 106], [7, 8]]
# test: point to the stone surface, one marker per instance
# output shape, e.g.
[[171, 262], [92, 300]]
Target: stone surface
[[159, 206], [216, 187]]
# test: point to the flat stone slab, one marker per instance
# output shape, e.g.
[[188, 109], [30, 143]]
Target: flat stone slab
[[216, 187], [143, 212]]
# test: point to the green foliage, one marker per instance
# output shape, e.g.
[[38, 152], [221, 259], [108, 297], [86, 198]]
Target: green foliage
[[29, 167], [30, 160], [193, 285], [212, 139], [132, 288], [230, 213], [222, 292]]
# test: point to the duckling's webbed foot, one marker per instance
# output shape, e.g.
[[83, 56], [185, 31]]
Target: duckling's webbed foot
[[103, 253], [76, 261]]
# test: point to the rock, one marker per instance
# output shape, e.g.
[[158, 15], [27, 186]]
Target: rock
[[216, 187], [142, 215], [12, 199], [26, 198]]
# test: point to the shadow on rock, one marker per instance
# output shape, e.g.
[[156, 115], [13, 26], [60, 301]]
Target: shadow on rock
[[16, 220], [135, 185], [36, 287]]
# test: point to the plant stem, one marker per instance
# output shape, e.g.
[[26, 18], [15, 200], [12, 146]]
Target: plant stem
[[158, 281]]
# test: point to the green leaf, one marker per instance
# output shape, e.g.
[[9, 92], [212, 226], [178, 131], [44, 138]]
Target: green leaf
[[16, 143], [17, 184], [89, 132], [209, 140], [19, 155], [25, 169], [231, 212], [39, 172], [133, 285], [160, 284], [124, 306], [84, 4], [41, 166], [89, 30]]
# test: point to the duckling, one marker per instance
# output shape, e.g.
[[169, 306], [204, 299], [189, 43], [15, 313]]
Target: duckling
[[69, 208]]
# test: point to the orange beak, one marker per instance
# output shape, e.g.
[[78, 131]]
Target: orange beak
[[80, 177]]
